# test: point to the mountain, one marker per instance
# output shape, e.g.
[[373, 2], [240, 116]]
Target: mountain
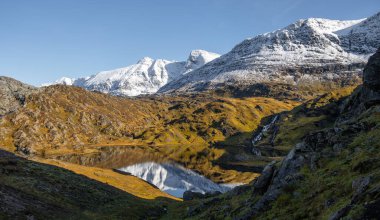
[[310, 50], [331, 171], [144, 77]]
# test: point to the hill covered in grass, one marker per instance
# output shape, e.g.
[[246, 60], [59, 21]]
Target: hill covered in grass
[[67, 122]]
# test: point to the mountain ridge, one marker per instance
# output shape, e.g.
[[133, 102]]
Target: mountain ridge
[[308, 50], [144, 77]]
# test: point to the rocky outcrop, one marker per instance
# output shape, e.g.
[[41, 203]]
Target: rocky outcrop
[[12, 94], [371, 76], [368, 94]]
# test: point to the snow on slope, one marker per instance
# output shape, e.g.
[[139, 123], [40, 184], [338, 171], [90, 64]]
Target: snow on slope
[[173, 179], [62, 81], [144, 77], [199, 58], [309, 49]]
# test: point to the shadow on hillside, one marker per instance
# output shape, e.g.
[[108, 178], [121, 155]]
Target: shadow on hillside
[[30, 189]]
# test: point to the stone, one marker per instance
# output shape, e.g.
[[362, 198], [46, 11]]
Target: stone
[[359, 185], [13, 94], [262, 182], [371, 73]]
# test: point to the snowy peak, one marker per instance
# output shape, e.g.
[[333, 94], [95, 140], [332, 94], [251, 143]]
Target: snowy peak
[[363, 37], [311, 50], [323, 25], [198, 58], [305, 34], [63, 81], [145, 77], [145, 60]]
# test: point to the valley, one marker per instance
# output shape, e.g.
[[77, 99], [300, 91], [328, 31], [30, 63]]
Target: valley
[[196, 134], [284, 126]]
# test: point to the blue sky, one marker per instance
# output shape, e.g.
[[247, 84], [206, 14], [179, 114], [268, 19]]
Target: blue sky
[[42, 40]]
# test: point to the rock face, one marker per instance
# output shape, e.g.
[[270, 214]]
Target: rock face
[[369, 94], [371, 76], [144, 77], [12, 94], [307, 51]]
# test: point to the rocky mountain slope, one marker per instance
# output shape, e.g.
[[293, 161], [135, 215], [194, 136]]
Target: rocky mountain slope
[[144, 77], [331, 173], [12, 94], [309, 51]]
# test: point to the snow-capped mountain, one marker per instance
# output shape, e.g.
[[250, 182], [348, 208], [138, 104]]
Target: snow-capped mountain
[[144, 77], [307, 50], [174, 179], [63, 81]]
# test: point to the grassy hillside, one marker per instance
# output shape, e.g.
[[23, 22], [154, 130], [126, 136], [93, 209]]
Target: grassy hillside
[[313, 115], [346, 148], [61, 120]]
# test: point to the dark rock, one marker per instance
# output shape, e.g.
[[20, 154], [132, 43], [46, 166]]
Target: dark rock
[[189, 195], [371, 73], [360, 185], [258, 107], [261, 184]]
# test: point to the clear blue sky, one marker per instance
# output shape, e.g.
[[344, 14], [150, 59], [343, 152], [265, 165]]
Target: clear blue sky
[[42, 40]]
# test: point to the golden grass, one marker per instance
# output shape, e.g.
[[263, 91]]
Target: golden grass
[[64, 120]]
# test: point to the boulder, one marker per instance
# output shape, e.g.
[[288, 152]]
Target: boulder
[[371, 73], [360, 185], [261, 184], [13, 94]]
